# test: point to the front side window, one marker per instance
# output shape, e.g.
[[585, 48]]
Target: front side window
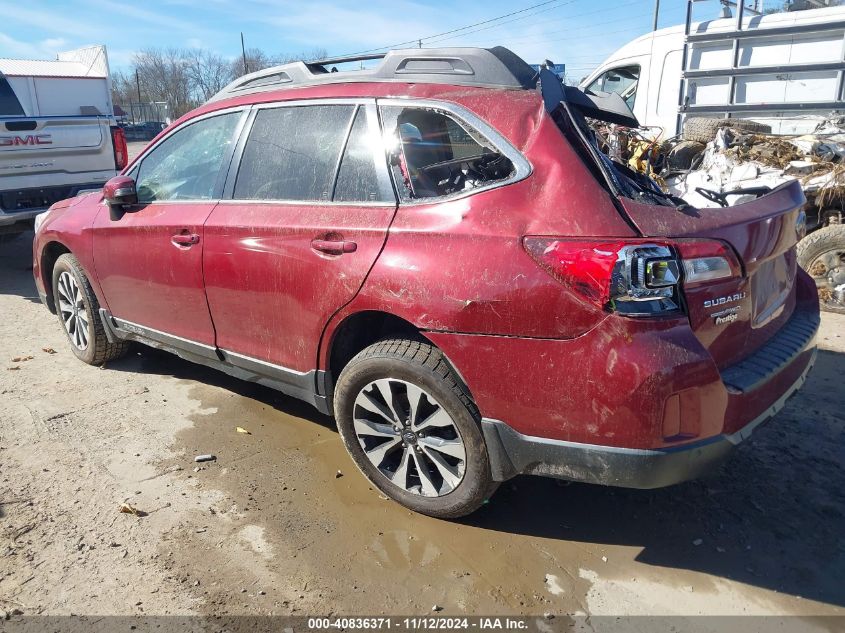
[[622, 81], [292, 153], [186, 165], [432, 154]]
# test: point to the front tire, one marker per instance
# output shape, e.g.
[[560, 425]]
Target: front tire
[[411, 427], [79, 313]]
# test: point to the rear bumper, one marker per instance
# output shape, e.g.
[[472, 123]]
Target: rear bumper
[[46, 196], [630, 403], [22, 218], [513, 453]]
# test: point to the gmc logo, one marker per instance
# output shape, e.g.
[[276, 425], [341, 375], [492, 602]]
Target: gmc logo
[[31, 139]]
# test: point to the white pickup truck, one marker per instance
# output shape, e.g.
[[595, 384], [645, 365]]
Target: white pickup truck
[[58, 134]]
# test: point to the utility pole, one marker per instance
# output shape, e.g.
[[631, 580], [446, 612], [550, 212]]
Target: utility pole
[[419, 43], [656, 11], [138, 88], [243, 52]]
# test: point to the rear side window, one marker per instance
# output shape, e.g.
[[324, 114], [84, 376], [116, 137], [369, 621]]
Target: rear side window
[[292, 153], [434, 155], [9, 104]]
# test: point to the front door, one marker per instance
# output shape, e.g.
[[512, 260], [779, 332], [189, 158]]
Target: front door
[[149, 261], [310, 209]]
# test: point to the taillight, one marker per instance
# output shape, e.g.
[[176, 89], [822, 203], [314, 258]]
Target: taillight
[[630, 277], [121, 151], [707, 260]]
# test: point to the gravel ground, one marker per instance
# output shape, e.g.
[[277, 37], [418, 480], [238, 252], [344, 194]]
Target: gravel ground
[[282, 522]]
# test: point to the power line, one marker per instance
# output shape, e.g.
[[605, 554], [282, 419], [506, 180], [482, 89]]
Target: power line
[[562, 18], [463, 28], [578, 34], [500, 24]]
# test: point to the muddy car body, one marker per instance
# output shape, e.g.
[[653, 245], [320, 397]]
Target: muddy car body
[[433, 252]]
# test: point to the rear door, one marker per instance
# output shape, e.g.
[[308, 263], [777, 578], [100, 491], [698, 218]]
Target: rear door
[[311, 203], [149, 261]]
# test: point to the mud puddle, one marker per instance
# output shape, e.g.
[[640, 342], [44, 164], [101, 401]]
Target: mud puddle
[[290, 535], [304, 516]]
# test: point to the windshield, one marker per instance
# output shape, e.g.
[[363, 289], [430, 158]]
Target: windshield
[[622, 81]]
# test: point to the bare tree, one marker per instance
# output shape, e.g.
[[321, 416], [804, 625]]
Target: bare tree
[[256, 59], [207, 73], [123, 89], [306, 56], [185, 78], [163, 73]]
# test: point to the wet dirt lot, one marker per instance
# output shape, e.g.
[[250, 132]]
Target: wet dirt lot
[[283, 523]]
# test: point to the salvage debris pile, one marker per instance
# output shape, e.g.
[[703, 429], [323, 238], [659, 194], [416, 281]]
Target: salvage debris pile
[[730, 155]]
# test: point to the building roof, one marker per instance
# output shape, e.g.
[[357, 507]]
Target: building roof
[[83, 62]]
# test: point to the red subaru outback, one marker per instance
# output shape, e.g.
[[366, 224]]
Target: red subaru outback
[[435, 252]]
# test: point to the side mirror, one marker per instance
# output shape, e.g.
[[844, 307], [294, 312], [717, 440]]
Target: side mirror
[[119, 192]]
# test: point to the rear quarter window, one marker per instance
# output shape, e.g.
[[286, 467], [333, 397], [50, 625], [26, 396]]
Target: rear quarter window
[[9, 103], [434, 155]]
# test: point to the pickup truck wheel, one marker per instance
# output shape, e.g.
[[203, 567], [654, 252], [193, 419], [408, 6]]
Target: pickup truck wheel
[[822, 255], [412, 429], [79, 313]]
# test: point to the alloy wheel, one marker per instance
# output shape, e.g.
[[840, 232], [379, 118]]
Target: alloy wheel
[[72, 310], [409, 437]]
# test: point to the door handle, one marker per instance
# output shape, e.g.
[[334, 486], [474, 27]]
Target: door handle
[[185, 239], [334, 247]]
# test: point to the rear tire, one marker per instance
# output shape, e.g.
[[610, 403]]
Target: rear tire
[[79, 314], [412, 429], [704, 129]]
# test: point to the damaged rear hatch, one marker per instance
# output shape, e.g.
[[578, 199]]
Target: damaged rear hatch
[[736, 266]]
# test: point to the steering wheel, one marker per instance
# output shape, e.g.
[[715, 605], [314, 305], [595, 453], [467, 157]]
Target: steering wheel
[[713, 196]]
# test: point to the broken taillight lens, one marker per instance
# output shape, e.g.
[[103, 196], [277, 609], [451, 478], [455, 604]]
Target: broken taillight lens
[[635, 278]]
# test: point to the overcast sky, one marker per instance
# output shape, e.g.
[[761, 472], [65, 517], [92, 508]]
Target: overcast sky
[[580, 33]]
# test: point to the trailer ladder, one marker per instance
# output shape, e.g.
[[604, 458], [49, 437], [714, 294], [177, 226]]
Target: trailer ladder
[[745, 33]]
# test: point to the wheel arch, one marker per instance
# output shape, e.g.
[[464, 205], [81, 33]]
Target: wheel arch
[[50, 253], [357, 331]]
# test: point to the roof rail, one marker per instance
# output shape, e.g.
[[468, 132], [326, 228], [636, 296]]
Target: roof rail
[[485, 67], [346, 59]]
